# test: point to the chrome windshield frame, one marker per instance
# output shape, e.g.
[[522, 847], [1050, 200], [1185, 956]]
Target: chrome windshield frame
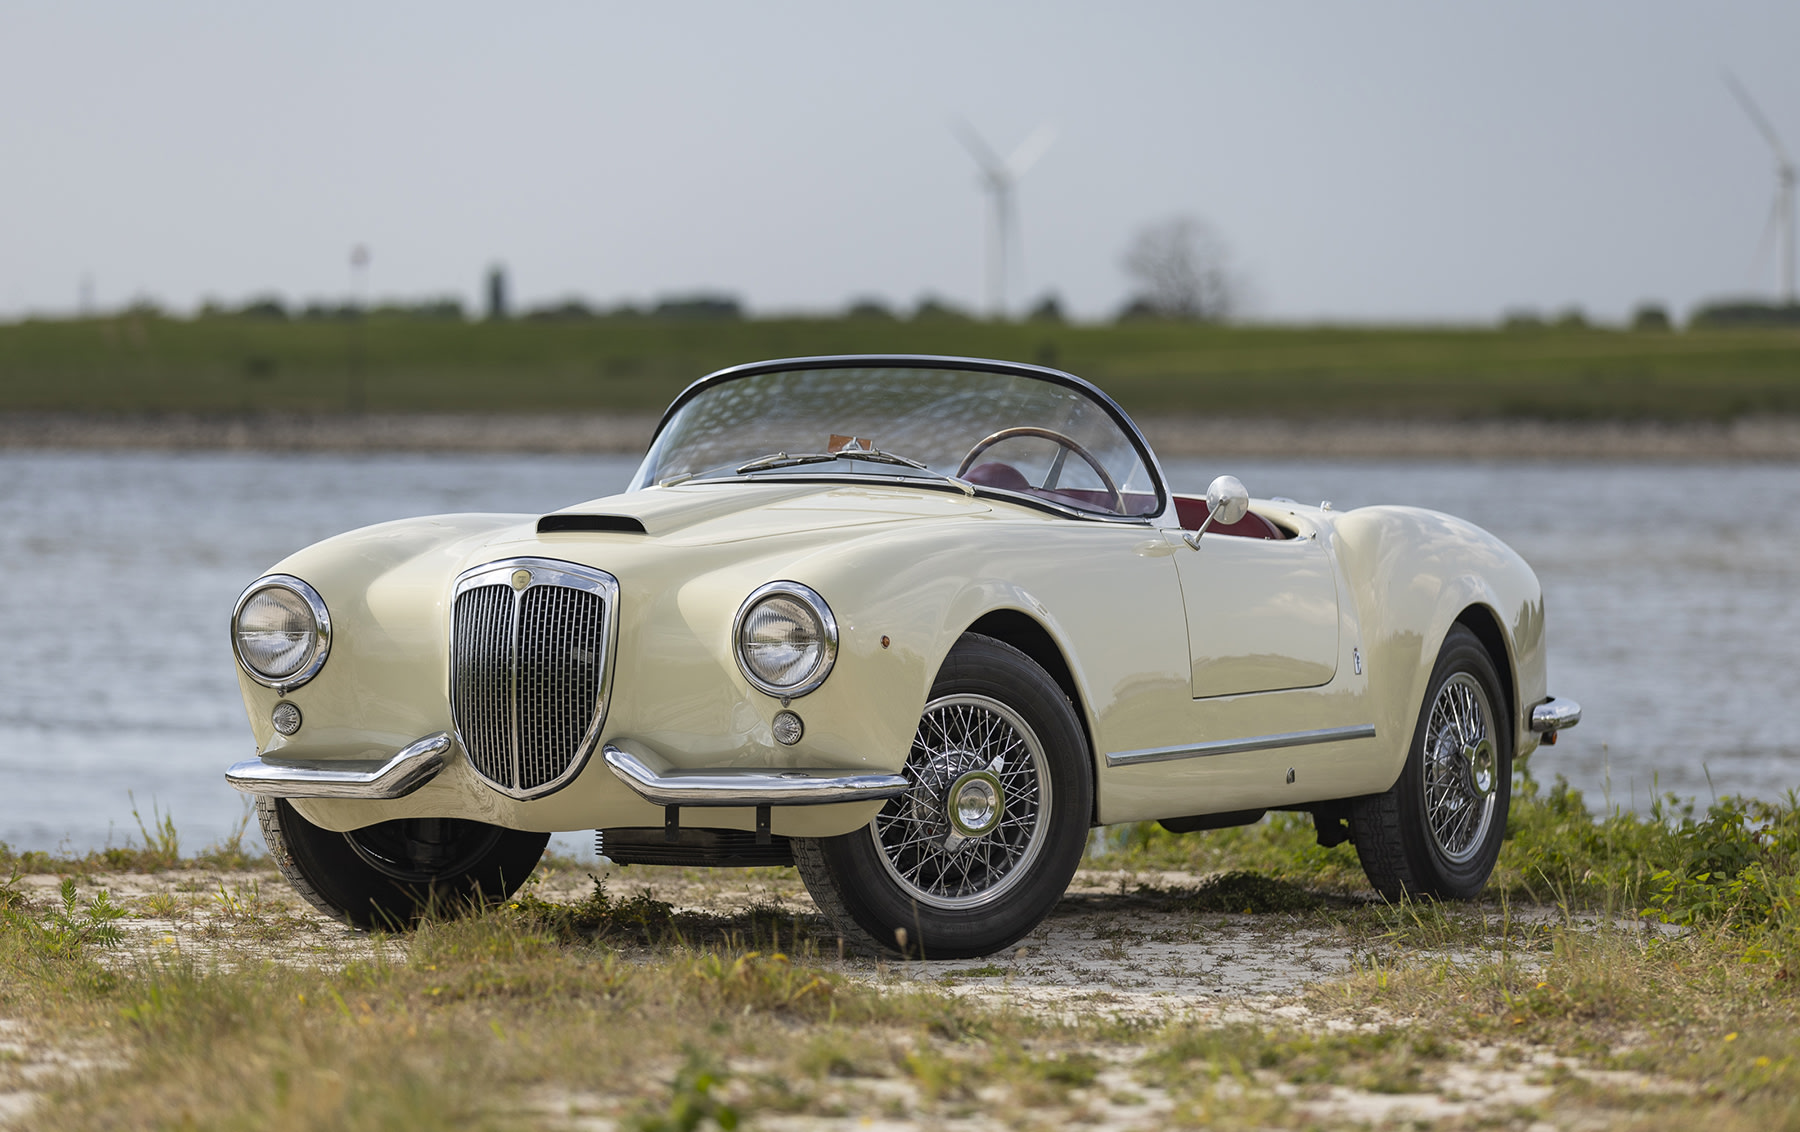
[[1164, 501]]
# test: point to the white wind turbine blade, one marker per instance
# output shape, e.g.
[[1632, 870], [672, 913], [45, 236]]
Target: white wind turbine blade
[[1762, 124], [1031, 150], [980, 150]]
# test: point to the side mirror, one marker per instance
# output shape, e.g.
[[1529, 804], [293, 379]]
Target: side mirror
[[1226, 502]]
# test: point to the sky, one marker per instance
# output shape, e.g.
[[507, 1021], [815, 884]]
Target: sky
[[1370, 162]]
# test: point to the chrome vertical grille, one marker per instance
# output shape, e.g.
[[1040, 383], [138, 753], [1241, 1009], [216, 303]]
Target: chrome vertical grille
[[530, 640], [483, 655]]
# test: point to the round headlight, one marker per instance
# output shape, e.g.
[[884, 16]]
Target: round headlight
[[786, 639], [281, 632]]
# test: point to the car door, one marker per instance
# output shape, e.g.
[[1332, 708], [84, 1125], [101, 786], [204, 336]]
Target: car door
[[1273, 709], [1262, 614]]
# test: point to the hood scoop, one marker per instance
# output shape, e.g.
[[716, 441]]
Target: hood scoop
[[615, 524]]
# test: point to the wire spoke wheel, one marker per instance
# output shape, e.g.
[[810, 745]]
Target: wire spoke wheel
[[1460, 771], [982, 845], [1436, 832], [978, 812]]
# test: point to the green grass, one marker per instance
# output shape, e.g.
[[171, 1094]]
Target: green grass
[[142, 363], [1669, 958], [1733, 866]]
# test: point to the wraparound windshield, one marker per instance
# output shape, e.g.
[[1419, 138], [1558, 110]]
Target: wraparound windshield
[[1011, 432]]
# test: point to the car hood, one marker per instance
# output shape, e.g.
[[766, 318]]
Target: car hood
[[732, 512]]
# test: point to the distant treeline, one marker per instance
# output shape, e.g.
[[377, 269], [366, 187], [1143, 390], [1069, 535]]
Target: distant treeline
[[698, 307], [716, 307], [1746, 313]]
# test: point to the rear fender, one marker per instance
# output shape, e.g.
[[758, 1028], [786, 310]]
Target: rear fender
[[1412, 574]]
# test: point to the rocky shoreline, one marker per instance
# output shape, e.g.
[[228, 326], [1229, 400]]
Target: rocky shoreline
[[1754, 439]]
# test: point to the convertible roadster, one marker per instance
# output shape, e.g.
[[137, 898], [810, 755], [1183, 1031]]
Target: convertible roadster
[[914, 625]]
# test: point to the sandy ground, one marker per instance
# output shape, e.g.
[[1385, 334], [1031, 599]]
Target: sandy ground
[[1115, 946], [1750, 439]]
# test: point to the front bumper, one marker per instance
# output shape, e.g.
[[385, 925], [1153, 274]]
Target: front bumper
[[410, 768], [735, 786], [648, 776]]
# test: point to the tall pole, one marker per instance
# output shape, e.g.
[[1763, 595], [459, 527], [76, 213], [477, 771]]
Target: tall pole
[[355, 396], [998, 248], [1786, 204]]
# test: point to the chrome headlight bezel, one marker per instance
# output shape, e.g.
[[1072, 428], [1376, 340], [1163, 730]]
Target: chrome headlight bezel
[[321, 632], [827, 626]]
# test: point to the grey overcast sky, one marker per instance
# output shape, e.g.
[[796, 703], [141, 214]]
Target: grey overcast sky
[[1371, 161]]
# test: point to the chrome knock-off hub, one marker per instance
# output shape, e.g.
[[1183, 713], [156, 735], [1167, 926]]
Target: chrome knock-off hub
[[975, 803], [1478, 765]]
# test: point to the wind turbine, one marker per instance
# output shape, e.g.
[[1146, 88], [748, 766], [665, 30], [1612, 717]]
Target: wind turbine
[[1781, 219], [1001, 180]]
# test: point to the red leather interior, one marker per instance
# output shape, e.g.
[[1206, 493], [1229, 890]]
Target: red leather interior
[[1191, 511], [995, 474]]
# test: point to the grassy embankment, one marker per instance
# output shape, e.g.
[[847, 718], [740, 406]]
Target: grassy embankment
[[137, 364], [627, 1010]]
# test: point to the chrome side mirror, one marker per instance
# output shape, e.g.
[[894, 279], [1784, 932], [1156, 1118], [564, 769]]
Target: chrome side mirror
[[1226, 502]]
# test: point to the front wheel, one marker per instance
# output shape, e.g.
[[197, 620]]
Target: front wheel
[[390, 874], [976, 854], [1437, 831]]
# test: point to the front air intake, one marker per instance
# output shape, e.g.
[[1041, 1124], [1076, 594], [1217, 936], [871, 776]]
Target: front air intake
[[531, 656]]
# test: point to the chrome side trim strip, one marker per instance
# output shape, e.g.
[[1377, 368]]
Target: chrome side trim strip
[[409, 769], [727, 786], [1239, 746], [1554, 715]]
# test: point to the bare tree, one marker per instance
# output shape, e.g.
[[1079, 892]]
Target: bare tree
[[1183, 271]]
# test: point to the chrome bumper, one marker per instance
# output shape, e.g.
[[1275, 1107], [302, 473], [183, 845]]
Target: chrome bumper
[[399, 776], [1555, 715], [748, 787]]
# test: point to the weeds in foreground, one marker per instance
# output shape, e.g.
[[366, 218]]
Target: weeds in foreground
[[54, 945], [159, 852], [1734, 866], [691, 1102], [591, 998]]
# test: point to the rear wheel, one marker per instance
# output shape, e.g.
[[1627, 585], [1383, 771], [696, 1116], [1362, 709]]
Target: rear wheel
[[390, 874], [978, 852], [1437, 831]]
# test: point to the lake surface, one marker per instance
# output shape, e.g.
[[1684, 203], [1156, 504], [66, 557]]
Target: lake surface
[[1670, 591]]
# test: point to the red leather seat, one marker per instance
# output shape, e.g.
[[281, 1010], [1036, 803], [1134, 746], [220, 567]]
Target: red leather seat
[[995, 474], [1191, 511]]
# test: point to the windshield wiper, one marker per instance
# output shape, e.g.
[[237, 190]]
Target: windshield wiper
[[879, 457], [873, 455], [784, 460]]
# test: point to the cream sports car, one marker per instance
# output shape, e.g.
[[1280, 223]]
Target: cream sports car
[[913, 625]]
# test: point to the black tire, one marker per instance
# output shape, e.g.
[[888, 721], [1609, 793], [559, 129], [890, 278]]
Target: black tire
[[1437, 831], [1013, 874], [391, 874]]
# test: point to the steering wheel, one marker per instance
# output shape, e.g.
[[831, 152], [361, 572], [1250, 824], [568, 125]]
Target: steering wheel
[[1118, 498]]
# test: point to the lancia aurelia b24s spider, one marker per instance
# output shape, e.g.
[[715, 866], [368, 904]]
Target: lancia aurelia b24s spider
[[914, 625]]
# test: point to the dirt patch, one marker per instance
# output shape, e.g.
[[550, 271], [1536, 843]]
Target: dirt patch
[[202, 914]]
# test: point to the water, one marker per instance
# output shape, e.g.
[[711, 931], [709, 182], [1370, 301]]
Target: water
[[1668, 592]]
